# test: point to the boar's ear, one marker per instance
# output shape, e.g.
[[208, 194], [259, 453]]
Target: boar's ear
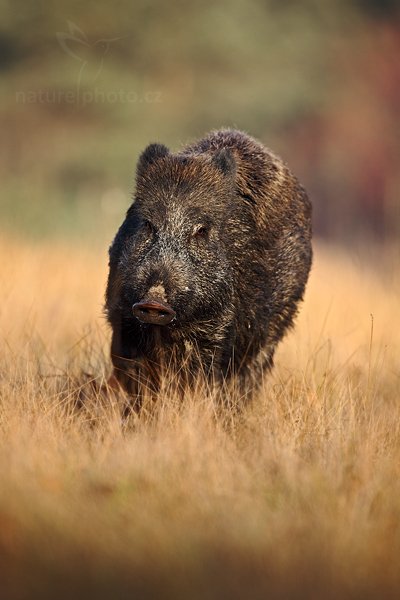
[[225, 161], [152, 153]]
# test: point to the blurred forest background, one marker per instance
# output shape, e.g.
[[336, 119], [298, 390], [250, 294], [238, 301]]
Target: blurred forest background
[[85, 86]]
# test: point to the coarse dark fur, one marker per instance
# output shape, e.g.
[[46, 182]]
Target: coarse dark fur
[[221, 232]]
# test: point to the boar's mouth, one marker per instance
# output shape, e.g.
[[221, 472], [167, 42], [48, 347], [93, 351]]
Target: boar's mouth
[[153, 312]]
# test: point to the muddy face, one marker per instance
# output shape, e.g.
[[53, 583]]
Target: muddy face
[[169, 262]]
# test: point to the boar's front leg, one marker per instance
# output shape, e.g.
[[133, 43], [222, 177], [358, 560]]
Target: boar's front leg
[[126, 372]]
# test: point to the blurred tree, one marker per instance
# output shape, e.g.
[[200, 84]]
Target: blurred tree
[[318, 82]]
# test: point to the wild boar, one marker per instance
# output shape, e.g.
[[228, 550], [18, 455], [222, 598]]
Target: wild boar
[[210, 264]]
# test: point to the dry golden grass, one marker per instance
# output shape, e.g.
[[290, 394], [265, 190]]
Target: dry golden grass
[[297, 497]]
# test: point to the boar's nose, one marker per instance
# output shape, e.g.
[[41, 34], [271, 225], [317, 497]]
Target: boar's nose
[[153, 313]]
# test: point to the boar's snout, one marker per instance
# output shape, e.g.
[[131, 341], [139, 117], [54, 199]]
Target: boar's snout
[[153, 312]]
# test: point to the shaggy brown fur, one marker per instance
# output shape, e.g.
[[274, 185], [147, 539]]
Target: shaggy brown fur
[[219, 234]]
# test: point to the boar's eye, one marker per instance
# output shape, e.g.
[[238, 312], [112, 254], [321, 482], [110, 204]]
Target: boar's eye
[[148, 227], [201, 232]]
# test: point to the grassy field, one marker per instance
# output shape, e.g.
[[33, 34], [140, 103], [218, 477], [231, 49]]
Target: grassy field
[[297, 497]]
